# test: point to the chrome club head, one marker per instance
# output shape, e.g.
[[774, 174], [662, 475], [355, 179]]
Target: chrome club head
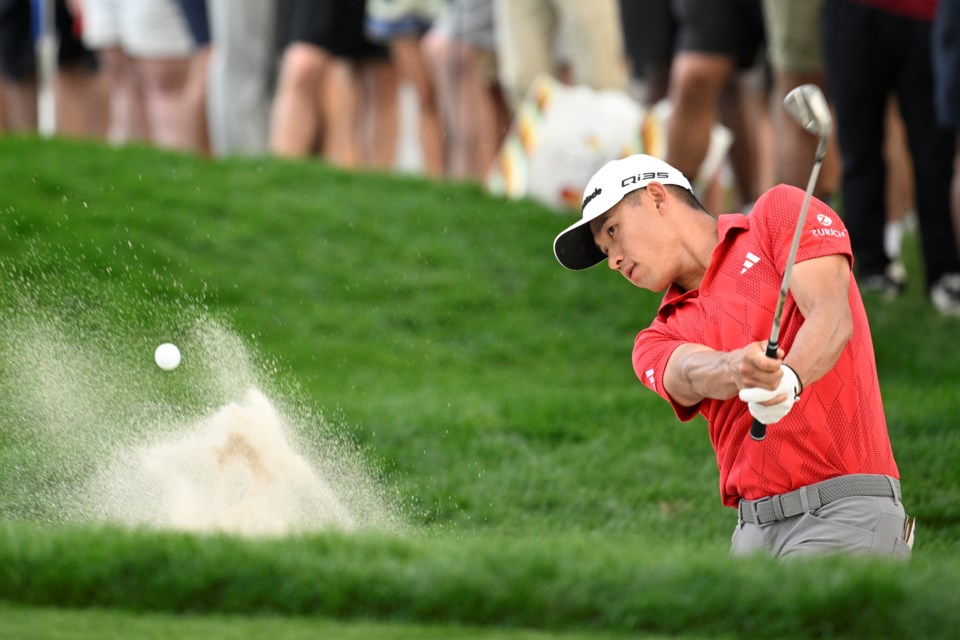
[[809, 108]]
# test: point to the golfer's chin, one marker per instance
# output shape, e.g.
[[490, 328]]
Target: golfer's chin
[[633, 276], [637, 284]]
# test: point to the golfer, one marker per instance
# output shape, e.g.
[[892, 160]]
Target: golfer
[[824, 479]]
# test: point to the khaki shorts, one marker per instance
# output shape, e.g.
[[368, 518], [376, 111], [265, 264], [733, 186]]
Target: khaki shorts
[[793, 35], [525, 36]]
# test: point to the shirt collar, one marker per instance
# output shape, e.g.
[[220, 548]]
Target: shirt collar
[[727, 226]]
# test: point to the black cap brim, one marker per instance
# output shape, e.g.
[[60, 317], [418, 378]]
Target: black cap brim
[[575, 248]]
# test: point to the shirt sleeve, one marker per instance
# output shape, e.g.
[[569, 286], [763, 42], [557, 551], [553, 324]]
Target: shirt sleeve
[[651, 351], [823, 231]]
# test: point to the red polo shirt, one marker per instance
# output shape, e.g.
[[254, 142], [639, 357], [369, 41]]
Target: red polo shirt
[[837, 426]]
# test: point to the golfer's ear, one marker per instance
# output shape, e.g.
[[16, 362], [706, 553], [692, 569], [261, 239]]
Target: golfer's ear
[[658, 192]]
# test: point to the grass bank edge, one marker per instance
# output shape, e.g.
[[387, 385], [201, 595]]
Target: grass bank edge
[[561, 582]]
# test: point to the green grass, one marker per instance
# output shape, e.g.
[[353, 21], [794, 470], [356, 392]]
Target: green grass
[[557, 582], [428, 327], [97, 624]]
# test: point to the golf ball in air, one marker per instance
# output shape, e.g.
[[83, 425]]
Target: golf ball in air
[[167, 356]]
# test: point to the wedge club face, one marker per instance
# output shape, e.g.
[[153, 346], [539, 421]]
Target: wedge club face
[[809, 108]]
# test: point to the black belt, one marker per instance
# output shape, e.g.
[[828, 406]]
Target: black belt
[[812, 497]]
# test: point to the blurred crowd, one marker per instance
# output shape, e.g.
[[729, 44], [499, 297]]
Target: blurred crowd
[[300, 78]]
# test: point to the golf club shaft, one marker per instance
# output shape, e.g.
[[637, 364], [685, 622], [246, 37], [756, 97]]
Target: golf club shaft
[[758, 430]]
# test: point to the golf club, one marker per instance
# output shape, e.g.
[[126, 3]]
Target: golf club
[[808, 107]]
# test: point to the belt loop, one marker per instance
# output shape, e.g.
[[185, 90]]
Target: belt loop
[[777, 508], [811, 498], [893, 490]]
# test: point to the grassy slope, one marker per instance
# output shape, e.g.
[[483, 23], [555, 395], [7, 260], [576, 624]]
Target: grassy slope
[[493, 387]]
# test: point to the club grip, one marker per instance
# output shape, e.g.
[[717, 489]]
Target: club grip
[[758, 430]]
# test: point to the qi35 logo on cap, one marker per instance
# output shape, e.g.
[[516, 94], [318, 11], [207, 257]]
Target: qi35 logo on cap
[[644, 177]]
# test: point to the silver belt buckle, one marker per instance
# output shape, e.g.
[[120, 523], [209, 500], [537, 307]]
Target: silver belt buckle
[[756, 511]]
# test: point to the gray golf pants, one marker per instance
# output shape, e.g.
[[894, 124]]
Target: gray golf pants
[[856, 524]]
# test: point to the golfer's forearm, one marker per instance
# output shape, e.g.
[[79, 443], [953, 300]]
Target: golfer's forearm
[[819, 343], [696, 372]]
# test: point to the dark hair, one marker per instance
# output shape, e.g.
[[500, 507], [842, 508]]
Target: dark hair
[[686, 196]]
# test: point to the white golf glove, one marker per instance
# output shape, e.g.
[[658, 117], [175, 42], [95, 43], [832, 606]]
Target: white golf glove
[[753, 396]]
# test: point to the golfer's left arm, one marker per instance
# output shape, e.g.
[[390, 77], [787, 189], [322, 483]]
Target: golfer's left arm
[[820, 287]]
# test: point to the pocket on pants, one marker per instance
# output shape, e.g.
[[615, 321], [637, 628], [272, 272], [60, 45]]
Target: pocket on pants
[[814, 535], [860, 525], [747, 539], [901, 549]]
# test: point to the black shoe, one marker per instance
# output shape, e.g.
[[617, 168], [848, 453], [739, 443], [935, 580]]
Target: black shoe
[[887, 285]]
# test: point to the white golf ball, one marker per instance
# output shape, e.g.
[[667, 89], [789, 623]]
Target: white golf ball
[[167, 356]]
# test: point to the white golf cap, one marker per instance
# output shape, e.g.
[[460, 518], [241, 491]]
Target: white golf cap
[[574, 247]]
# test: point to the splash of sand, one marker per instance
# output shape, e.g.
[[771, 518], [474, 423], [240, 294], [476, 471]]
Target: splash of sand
[[91, 429], [234, 471]]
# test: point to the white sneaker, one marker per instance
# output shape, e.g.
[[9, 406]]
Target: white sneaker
[[897, 272], [945, 294]]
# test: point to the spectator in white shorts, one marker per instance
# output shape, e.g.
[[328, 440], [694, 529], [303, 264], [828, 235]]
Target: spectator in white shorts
[[145, 47]]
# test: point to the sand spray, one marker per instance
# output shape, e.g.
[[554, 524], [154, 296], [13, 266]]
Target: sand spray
[[93, 430]]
